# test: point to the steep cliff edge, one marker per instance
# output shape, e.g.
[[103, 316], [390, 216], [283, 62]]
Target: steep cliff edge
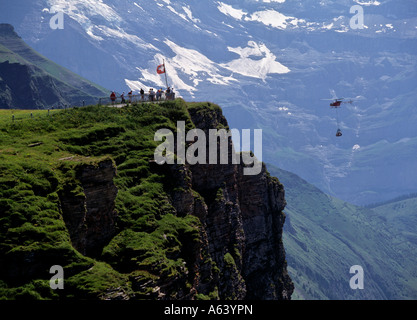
[[244, 221], [93, 200]]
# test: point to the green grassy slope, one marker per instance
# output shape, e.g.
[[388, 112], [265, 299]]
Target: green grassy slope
[[8, 55], [402, 215], [324, 237], [40, 155]]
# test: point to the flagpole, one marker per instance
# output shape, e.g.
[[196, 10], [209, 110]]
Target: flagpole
[[165, 69]]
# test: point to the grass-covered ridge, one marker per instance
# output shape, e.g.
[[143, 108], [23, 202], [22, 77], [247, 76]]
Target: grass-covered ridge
[[43, 152]]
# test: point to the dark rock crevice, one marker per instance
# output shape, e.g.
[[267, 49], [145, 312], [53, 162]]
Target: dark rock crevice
[[90, 215]]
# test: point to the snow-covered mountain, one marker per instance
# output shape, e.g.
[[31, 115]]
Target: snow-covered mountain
[[268, 64]]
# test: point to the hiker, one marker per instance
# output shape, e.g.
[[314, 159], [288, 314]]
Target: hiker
[[151, 94], [142, 94], [123, 97], [158, 95], [112, 97], [130, 96]]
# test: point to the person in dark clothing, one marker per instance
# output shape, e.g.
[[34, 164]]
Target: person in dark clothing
[[113, 97]]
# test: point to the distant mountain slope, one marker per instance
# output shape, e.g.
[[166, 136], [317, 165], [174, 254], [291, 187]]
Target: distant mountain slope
[[325, 236], [29, 80], [401, 214]]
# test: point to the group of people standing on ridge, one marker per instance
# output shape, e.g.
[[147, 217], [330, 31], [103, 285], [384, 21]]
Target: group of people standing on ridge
[[150, 96]]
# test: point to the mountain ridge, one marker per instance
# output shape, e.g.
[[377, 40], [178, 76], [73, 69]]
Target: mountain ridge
[[31, 81]]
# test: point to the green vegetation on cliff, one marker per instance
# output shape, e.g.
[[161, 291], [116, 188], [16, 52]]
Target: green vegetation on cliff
[[42, 160]]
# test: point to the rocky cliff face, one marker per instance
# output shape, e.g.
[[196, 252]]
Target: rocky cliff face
[[124, 227], [239, 254], [242, 222]]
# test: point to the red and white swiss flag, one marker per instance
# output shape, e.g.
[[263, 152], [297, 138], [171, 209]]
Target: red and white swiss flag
[[160, 69]]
